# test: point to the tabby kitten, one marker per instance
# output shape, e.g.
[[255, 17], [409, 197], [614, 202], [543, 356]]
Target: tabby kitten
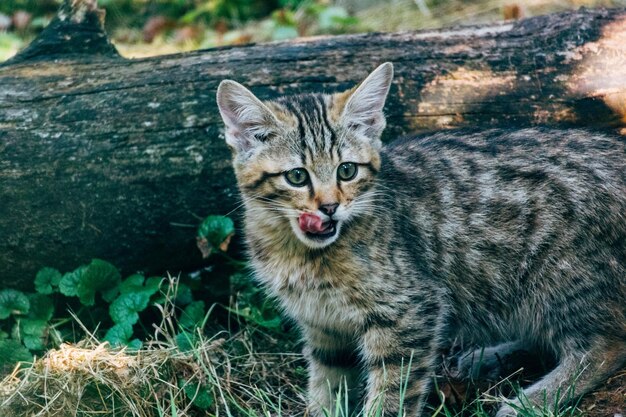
[[384, 254]]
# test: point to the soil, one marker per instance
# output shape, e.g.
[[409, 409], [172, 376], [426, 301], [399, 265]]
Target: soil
[[608, 400]]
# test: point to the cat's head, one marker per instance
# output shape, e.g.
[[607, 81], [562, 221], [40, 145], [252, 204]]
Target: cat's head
[[307, 161]]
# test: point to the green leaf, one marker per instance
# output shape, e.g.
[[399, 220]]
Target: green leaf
[[119, 334], [69, 282], [135, 283], [33, 333], [282, 32], [197, 394], [85, 281], [12, 351], [209, 8], [9, 45], [153, 284], [33, 342], [252, 304], [255, 316], [217, 230], [273, 324], [183, 295], [134, 298], [241, 281], [98, 276], [331, 17], [41, 307], [13, 302], [135, 344], [126, 307], [132, 283], [40, 22], [47, 280], [186, 341], [109, 295], [193, 315]]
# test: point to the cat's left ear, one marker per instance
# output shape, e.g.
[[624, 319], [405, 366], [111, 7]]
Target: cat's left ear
[[363, 110]]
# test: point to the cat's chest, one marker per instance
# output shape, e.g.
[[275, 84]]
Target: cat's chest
[[318, 296]]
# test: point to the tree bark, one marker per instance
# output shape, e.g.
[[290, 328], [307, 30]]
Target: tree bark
[[106, 157]]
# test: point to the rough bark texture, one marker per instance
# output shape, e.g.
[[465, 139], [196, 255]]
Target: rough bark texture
[[106, 157]]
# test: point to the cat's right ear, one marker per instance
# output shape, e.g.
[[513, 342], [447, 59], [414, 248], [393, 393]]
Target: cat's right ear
[[248, 121]]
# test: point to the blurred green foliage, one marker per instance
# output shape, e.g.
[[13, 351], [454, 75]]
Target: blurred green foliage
[[35, 7], [183, 24], [135, 12]]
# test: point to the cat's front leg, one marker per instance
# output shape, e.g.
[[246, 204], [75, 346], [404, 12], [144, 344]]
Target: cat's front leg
[[333, 367], [400, 361]]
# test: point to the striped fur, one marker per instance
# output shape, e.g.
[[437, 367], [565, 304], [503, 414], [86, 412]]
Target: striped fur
[[492, 236]]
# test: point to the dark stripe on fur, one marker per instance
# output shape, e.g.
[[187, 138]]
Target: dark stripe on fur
[[336, 358], [333, 135], [264, 177], [369, 166], [301, 131]]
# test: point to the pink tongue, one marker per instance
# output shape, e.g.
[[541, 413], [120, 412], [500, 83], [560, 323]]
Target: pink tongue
[[310, 223]]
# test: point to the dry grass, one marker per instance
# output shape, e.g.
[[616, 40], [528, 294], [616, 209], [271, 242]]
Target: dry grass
[[95, 380], [91, 379], [245, 373]]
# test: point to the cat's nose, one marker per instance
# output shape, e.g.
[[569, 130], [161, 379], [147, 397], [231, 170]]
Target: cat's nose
[[329, 209]]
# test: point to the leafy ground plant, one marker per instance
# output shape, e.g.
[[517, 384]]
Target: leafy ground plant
[[179, 371], [27, 319], [107, 304]]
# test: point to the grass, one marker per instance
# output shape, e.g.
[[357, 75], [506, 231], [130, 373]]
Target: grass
[[90, 379], [248, 372]]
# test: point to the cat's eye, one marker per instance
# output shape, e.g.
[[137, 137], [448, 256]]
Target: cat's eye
[[297, 177], [346, 171]]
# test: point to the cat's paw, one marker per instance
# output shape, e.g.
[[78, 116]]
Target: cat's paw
[[475, 365], [507, 411], [491, 363]]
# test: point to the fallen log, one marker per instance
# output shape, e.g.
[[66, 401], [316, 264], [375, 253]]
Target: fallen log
[[107, 157]]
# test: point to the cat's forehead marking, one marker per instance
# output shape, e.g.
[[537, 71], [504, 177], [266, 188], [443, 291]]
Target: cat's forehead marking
[[316, 135], [324, 170]]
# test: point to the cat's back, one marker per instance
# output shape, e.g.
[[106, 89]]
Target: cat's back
[[530, 145], [578, 160], [511, 186], [524, 221]]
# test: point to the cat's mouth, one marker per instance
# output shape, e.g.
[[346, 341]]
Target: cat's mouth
[[329, 229], [316, 229]]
